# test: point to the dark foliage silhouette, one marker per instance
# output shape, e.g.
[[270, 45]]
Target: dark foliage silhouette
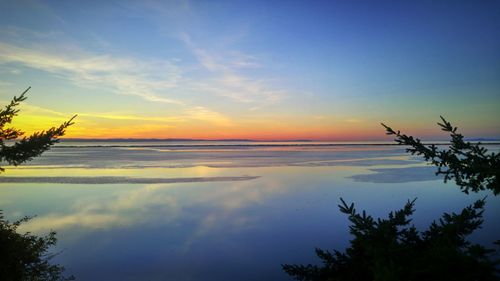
[[26, 148], [470, 165], [393, 249], [25, 256]]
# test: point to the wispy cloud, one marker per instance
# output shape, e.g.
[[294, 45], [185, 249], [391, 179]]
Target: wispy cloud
[[118, 116], [204, 114], [28, 109], [353, 120], [227, 75], [148, 79], [99, 124], [198, 113], [241, 60], [227, 81]]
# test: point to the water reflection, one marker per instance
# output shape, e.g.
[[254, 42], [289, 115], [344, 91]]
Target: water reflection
[[227, 230]]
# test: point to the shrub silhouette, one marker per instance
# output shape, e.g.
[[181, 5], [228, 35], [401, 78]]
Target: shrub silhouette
[[470, 165], [27, 147], [393, 249], [25, 256]]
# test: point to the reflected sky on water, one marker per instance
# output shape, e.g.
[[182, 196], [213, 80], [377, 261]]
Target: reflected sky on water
[[225, 213]]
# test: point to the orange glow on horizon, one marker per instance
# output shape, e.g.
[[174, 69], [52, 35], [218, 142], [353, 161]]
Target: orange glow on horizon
[[208, 126]]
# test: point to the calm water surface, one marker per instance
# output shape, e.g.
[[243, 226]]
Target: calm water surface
[[216, 211]]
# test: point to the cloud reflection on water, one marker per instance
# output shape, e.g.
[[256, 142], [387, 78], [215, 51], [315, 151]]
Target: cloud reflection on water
[[193, 230], [155, 203]]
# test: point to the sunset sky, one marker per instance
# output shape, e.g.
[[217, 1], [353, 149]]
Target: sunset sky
[[320, 70]]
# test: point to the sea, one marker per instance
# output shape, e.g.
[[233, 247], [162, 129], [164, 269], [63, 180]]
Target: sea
[[218, 210]]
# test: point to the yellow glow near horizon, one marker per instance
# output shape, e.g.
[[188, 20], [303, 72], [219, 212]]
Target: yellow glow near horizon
[[201, 123], [176, 73]]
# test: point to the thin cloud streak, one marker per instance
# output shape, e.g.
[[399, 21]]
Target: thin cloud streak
[[228, 82], [121, 75], [130, 77], [89, 120], [204, 114], [29, 109]]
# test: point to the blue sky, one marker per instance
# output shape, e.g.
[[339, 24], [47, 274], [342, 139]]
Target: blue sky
[[329, 70]]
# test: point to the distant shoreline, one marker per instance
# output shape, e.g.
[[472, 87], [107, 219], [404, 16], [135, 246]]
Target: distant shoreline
[[180, 140], [256, 144], [489, 140]]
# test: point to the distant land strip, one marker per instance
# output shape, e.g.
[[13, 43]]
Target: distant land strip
[[248, 140], [118, 180], [257, 145]]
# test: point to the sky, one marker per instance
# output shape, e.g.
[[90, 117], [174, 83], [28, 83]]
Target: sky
[[263, 70]]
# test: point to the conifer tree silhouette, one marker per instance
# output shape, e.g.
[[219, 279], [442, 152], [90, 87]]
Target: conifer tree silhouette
[[25, 256], [392, 249]]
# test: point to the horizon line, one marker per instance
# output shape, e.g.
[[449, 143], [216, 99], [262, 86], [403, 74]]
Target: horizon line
[[254, 140]]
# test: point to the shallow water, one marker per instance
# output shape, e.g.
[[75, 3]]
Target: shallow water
[[216, 212]]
